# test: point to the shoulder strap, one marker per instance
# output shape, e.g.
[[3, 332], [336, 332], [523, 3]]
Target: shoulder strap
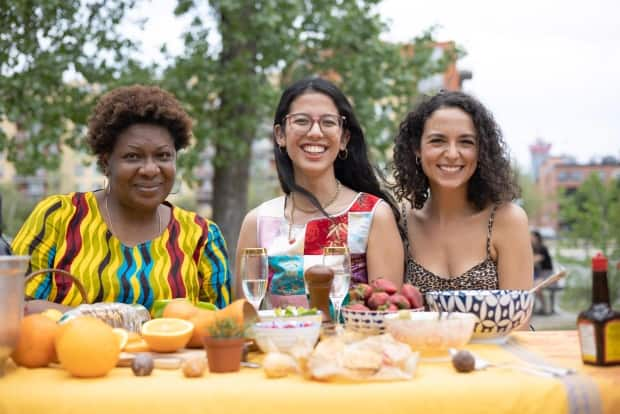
[[490, 230], [405, 231]]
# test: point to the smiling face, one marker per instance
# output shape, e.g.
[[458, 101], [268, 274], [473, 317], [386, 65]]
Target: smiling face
[[449, 148], [312, 151], [142, 166]]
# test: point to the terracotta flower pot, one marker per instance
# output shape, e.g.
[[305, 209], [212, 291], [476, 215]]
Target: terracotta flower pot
[[224, 354]]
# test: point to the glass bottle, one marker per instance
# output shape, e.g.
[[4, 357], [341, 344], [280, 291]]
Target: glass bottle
[[599, 325]]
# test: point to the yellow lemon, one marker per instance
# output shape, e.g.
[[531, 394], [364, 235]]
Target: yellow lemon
[[123, 337]]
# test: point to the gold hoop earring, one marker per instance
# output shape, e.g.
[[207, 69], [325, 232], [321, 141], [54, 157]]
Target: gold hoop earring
[[344, 154], [106, 185]]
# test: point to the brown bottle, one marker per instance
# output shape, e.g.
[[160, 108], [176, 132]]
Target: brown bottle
[[318, 280], [599, 325]]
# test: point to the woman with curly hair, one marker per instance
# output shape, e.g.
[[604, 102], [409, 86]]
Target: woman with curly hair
[[463, 229], [126, 243]]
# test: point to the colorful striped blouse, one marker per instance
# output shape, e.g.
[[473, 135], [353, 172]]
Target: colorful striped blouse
[[189, 259]]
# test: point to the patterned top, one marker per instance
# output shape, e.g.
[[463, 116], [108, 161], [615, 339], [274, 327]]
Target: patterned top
[[288, 260], [480, 277], [188, 259]]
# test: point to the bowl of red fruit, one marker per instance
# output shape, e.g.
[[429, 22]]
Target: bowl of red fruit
[[370, 303]]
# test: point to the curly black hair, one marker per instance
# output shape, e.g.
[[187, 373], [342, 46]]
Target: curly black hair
[[494, 181], [128, 105]]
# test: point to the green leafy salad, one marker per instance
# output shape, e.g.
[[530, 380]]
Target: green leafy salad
[[294, 311]]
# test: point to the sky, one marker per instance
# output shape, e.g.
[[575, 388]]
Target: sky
[[547, 69]]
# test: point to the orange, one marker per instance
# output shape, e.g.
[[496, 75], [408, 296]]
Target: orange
[[181, 309], [167, 334], [87, 347], [35, 346], [202, 320]]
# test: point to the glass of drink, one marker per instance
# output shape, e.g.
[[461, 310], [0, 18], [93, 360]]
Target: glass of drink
[[254, 274], [339, 260]]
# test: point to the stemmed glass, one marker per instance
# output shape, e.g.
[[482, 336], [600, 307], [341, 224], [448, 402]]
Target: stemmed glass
[[254, 274], [339, 260]]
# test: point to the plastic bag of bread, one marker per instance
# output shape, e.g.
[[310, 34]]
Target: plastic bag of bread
[[376, 358]]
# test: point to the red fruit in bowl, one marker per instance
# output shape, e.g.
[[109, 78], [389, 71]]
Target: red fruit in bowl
[[383, 285], [413, 295], [355, 295], [364, 290], [399, 301], [392, 308], [358, 307], [377, 299]]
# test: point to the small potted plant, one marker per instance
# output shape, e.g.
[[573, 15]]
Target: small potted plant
[[224, 345]]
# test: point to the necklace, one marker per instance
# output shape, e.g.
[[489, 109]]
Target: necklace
[[107, 211], [331, 201]]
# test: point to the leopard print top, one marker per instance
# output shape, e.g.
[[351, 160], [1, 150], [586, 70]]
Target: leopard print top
[[481, 276]]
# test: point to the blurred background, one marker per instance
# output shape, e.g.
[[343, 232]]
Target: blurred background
[[545, 69]]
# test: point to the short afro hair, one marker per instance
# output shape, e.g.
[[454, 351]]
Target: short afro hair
[[123, 107]]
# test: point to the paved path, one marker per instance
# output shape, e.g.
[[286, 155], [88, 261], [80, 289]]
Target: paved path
[[561, 320]]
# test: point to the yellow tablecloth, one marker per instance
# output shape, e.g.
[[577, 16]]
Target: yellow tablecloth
[[436, 388]]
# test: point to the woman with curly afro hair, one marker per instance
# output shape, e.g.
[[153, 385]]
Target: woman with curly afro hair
[[127, 243], [463, 229]]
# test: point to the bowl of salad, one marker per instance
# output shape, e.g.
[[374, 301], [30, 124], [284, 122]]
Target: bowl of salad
[[291, 313]]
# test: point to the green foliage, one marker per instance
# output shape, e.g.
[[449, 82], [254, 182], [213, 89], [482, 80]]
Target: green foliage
[[227, 328], [54, 57], [592, 214], [15, 209], [531, 197]]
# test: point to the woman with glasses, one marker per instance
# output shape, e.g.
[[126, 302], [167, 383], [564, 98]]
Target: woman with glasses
[[331, 196]]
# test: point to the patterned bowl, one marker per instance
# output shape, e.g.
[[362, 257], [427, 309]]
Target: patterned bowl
[[499, 312], [367, 322]]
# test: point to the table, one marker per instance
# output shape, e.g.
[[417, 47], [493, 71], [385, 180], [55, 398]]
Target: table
[[436, 388]]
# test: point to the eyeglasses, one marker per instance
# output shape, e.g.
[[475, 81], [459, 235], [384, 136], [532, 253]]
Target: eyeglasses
[[303, 123]]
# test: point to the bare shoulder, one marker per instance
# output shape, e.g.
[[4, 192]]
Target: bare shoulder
[[383, 212], [510, 214]]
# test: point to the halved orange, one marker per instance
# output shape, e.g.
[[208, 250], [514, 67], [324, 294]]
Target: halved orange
[[167, 334]]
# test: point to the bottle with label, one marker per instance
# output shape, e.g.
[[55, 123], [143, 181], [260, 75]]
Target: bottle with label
[[599, 325]]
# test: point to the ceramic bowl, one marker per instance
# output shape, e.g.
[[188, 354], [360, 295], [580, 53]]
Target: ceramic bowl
[[284, 334], [367, 322], [498, 312], [270, 315], [430, 334]]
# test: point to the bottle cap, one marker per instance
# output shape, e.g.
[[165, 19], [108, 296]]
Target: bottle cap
[[599, 263]]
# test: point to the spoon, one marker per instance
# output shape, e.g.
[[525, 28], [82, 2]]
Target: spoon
[[546, 282]]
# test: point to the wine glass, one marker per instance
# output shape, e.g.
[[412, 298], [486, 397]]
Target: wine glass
[[339, 260], [254, 272]]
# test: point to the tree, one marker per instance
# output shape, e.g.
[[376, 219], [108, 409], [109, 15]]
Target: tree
[[592, 214], [54, 56], [232, 88]]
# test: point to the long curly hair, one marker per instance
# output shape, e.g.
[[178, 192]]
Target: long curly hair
[[494, 181], [122, 107]]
